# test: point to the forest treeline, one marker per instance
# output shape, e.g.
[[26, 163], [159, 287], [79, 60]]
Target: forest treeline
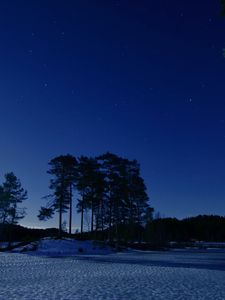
[[159, 231], [110, 198], [209, 228], [108, 192]]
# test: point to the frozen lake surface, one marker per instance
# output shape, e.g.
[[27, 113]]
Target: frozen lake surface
[[134, 275]]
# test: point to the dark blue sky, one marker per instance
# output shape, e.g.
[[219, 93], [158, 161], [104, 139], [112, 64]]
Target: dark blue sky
[[143, 79]]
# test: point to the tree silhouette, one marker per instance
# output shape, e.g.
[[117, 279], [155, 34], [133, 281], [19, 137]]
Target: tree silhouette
[[14, 194], [222, 7], [11, 195], [111, 191], [4, 206], [90, 185], [64, 176], [126, 200]]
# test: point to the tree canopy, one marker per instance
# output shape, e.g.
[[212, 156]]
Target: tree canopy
[[110, 191]]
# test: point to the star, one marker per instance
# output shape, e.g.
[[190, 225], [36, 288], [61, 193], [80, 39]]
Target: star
[[203, 85]]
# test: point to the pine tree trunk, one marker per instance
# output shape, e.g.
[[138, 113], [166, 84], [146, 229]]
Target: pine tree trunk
[[11, 226], [102, 219], [60, 219], [117, 222], [10, 236], [82, 216], [70, 221], [92, 218], [110, 220], [61, 202]]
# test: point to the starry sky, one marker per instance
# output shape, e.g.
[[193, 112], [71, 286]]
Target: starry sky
[[143, 79]]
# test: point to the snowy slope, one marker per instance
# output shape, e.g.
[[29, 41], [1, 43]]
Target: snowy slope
[[70, 247], [64, 247]]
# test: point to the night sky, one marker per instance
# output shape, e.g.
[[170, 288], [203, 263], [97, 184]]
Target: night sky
[[143, 79]]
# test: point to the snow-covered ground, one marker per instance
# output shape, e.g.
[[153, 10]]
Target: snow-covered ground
[[176, 275], [5, 244], [64, 247]]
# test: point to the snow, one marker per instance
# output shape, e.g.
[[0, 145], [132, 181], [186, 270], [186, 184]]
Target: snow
[[129, 275], [71, 247], [64, 247], [5, 244]]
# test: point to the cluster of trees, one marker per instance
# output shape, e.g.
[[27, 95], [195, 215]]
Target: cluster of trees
[[110, 189], [156, 233], [200, 228], [24, 234]]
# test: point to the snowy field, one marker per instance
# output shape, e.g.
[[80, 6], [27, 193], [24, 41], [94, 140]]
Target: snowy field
[[133, 275]]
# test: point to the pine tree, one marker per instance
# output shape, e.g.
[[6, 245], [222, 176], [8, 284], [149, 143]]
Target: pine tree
[[90, 185], [64, 176], [111, 166], [126, 196], [4, 206], [14, 194]]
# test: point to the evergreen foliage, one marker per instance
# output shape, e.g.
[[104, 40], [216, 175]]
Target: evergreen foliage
[[111, 192], [11, 195]]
